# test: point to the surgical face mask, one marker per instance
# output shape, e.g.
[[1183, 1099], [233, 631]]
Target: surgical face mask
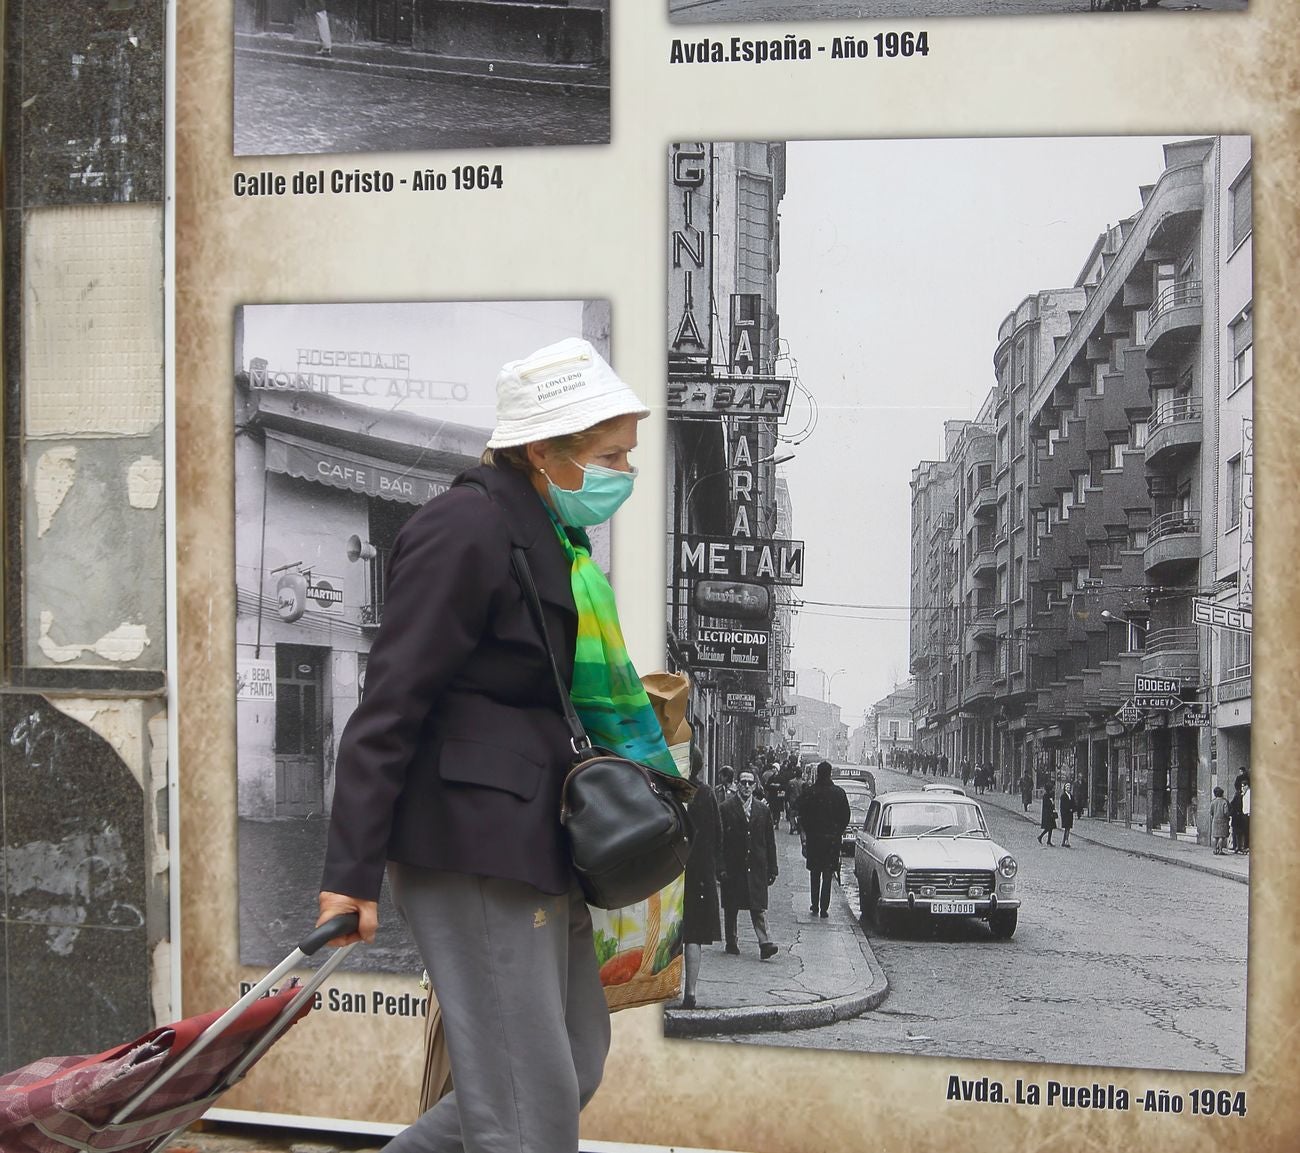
[[603, 491]]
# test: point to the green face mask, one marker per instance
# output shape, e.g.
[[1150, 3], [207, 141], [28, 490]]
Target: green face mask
[[603, 491]]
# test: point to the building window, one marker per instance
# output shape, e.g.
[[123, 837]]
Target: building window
[[1117, 454], [1241, 210], [1141, 323], [1067, 503], [1137, 434], [1018, 581], [1020, 505], [1234, 653], [1080, 486], [1232, 494], [1243, 351], [1138, 628], [1099, 379]]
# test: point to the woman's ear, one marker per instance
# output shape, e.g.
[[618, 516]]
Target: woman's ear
[[538, 453]]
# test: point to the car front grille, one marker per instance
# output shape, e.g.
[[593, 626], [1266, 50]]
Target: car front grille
[[948, 883]]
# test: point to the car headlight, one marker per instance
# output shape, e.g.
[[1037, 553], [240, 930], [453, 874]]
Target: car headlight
[[1007, 866], [894, 865]]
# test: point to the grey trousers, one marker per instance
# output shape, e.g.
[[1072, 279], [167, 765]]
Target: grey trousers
[[514, 970]]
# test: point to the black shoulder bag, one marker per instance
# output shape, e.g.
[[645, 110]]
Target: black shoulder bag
[[626, 823]]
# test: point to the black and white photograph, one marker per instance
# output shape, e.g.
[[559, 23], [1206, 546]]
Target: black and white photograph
[[334, 76], [960, 562], [730, 11], [348, 417]]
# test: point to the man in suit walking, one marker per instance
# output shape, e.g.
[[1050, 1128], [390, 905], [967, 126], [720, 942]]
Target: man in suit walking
[[749, 866]]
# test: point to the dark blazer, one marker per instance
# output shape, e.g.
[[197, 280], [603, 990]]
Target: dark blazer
[[455, 756], [824, 814], [748, 854]]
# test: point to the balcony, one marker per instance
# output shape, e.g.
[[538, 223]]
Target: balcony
[[1175, 319], [978, 689], [982, 626], [1173, 540], [1174, 653], [1173, 432], [985, 500], [985, 560]]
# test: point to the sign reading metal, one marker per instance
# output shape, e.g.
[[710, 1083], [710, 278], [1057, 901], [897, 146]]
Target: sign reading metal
[[769, 561], [1206, 612], [732, 600], [742, 397], [1160, 685], [731, 649]]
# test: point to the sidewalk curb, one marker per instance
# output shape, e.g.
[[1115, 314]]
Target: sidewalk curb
[[1134, 851], [569, 79], [779, 1018]]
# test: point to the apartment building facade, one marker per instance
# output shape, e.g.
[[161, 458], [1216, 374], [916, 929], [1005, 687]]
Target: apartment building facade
[[1097, 627]]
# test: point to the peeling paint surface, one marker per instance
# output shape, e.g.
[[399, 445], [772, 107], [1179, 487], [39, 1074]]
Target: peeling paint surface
[[56, 471], [124, 643], [144, 482], [118, 722]]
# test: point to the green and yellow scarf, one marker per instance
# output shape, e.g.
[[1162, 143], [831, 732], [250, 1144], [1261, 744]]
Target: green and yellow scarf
[[607, 692]]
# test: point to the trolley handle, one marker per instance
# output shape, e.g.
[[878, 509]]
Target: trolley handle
[[339, 926]]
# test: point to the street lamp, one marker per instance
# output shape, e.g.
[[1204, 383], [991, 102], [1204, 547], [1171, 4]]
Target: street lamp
[[828, 679], [773, 459]]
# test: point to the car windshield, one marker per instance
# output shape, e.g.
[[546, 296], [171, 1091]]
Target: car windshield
[[930, 818]]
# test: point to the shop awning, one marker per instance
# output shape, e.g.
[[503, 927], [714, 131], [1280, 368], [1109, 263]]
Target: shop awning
[[353, 471]]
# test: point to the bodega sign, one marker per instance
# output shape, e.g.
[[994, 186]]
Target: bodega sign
[[768, 561]]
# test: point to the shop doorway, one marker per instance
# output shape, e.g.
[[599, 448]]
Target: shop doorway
[[392, 21], [276, 15], [299, 730]]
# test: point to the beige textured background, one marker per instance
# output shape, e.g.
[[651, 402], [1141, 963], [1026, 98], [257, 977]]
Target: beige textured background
[[588, 223]]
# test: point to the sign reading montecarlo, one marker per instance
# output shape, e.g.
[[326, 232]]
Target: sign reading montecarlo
[[747, 397], [768, 561], [333, 380], [348, 470], [731, 649]]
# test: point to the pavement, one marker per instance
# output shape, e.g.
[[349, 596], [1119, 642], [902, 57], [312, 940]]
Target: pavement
[[409, 64]]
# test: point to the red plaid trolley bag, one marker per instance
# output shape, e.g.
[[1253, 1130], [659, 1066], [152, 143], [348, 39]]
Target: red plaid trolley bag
[[137, 1097]]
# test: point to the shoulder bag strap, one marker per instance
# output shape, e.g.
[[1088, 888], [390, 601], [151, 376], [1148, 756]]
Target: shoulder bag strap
[[519, 561]]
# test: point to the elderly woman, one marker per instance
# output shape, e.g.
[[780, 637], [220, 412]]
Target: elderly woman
[[449, 770]]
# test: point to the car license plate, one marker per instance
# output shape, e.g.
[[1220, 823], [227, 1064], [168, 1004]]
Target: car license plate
[[960, 908]]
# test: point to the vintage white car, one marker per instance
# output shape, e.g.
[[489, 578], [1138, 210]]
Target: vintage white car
[[929, 851]]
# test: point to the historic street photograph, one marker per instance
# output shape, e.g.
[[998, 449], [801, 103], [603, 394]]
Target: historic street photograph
[[728, 11], [960, 562], [333, 76], [348, 417]]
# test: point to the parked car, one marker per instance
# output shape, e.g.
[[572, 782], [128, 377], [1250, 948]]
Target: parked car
[[859, 802], [928, 851]]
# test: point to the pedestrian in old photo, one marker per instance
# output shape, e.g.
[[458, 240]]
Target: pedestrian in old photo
[[726, 783], [824, 815], [1047, 821], [1219, 822], [323, 30], [1067, 815], [749, 866], [1236, 816], [450, 769], [1244, 839], [794, 790], [701, 924], [1027, 789]]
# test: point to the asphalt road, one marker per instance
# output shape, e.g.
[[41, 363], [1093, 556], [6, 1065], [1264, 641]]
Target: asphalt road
[[1117, 961], [291, 108], [706, 11]]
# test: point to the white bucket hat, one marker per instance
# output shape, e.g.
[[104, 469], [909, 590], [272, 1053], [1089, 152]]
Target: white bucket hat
[[560, 389]]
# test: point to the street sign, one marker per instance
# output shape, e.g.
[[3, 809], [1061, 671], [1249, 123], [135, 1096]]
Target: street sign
[[1155, 685], [731, 648], [733, 600], [740, 702], [1206, 612], [1145, 701], [1128, 713], [1195, 717]]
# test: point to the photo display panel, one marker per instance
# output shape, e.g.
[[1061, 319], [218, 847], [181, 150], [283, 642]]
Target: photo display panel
[[945, 315]]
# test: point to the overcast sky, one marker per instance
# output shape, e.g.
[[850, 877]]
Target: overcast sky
[[900, 259]]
